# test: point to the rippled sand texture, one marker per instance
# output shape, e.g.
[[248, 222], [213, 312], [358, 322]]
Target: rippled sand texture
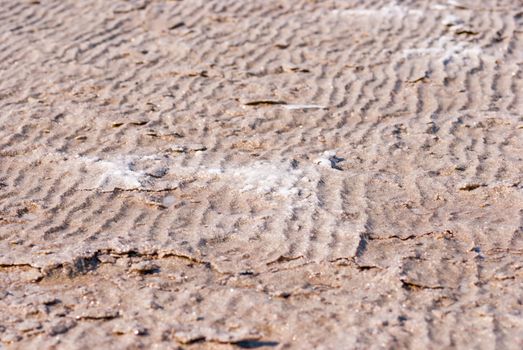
[[280, 174]]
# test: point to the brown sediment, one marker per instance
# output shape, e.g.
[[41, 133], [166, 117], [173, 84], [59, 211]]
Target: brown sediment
[[261, 174]]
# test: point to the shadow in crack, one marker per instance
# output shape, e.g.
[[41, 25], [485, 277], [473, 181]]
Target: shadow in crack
[[254, 344]]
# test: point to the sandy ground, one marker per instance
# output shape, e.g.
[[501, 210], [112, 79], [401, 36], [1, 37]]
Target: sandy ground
[[277, 174]]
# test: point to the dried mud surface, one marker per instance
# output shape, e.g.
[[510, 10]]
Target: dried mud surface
[[219, 174]]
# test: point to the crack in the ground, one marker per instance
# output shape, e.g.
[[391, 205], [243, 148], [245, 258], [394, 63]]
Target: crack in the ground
[[106, 317], [21, 265], [351, 262], [282, 259], [413, 286], [136, 190], [248, 342], [440, 234], [83, 264]]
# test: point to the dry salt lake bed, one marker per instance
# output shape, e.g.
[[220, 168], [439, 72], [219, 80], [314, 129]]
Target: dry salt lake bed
[[281, 174]]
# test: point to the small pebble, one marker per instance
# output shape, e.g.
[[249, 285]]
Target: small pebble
[[140, 330], [168, 201], [144, 267], [63, 326]]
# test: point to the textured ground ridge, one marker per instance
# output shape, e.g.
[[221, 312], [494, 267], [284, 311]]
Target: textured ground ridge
[[281, 174]]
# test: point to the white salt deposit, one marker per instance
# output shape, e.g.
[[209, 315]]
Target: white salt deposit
[[298, 106], [455, 3], [262, 177], [108, 175], [447, 48], [452, 20], [267, 178], [329, 159], [168, 201], [385, 11]]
